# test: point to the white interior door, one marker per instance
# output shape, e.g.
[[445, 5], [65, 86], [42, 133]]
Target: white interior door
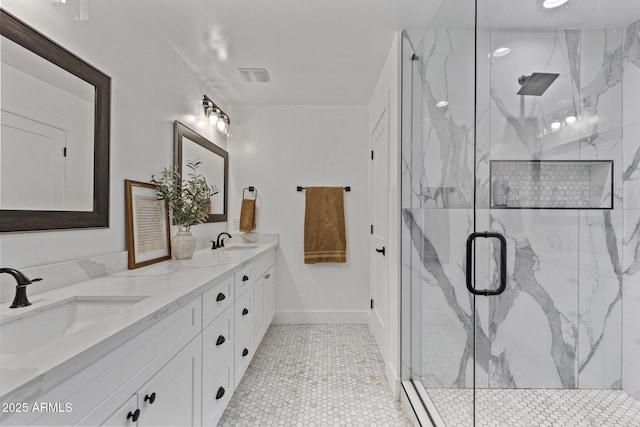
[[379, 188], [32, 155]]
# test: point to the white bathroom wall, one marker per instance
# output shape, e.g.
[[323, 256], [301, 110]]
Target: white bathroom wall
[[387, 94], [278, 147], [151, 87]]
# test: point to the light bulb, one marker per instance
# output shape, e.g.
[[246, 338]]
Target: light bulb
[[501, 51], [221, 124], [555, 126], [570, 120], [551, 4]]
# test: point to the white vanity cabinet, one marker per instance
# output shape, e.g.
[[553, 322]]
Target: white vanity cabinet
[[175, 369], [167, 399]]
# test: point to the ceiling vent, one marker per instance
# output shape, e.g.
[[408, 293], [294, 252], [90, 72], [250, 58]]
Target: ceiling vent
[[254, 75]]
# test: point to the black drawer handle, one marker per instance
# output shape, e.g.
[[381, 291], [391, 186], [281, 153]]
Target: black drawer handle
[[245, 311], [220, 393], [245, 278], [134, 415], [220, 297], [245, 352], [220, 340], [151, 398]]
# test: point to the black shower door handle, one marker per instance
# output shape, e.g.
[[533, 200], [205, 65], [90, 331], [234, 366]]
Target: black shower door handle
[[502, 267]]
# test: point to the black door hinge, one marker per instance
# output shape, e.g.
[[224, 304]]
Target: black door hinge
[[371, 154], [372, 304], [371, 228]]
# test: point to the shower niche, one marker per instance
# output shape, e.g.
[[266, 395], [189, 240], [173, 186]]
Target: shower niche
[[551, 184]]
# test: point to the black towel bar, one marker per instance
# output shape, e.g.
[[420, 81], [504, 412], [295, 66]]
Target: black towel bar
[[300, 188]]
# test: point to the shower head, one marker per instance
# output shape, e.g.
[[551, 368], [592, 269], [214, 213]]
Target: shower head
[[536, 84]]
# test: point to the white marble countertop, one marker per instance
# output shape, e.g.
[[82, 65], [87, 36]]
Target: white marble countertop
[[165, 286]]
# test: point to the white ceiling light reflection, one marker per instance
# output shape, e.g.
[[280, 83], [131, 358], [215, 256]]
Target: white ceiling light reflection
[[501, 51], [442, 104], [551, 4]]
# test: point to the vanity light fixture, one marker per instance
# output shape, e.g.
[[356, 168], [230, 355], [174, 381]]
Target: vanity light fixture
[[74, 9], [209, 112], [442, 104], [552, 4]]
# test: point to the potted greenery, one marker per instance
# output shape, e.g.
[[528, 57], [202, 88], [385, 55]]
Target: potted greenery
[[188, 201]]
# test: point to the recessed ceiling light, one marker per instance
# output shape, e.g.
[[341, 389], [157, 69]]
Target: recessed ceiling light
[[442, 104], [570, 120], [501, 51], [551, 4], [254, 75], [555, 126]]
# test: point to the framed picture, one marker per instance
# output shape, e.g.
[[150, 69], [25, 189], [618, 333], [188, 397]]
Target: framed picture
[[147, 225]]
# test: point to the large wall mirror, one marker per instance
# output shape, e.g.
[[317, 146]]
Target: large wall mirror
[[54, 138], [190, 146]]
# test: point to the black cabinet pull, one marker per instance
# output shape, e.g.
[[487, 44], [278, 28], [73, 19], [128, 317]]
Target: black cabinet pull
[[245, 278], [245, 352], [220, 340], [245, 311], [151, 398], [382, 251], [220, 297], [134, 415], [220, 393], [267, 276]]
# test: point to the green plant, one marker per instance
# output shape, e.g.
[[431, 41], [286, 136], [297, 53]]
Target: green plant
[[187, 199]]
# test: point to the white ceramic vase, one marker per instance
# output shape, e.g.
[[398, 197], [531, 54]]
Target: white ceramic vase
[[183, 245]]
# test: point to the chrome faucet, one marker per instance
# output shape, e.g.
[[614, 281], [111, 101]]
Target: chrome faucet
[[215, 244], [22, 281]]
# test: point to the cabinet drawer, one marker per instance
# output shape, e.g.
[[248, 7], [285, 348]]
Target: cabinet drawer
[[243, 313], [216, 300], [217, 394], [243, 279], [262, 263], [243, 355], [217, 342]]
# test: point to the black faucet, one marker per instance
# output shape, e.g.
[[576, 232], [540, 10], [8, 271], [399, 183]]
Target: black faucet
[[215, 244], [20, 299]]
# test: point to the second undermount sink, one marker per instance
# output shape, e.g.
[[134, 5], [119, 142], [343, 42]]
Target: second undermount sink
[[55, 321], [240, 246]]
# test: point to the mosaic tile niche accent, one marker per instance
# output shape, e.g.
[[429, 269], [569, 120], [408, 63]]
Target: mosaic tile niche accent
[[551, 184]]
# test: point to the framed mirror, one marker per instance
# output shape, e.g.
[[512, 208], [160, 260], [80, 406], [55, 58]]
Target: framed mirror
[[54, 142], [190, 146]]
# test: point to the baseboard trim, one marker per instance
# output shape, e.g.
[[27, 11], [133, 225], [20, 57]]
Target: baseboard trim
[[393, 380], [320, 316]]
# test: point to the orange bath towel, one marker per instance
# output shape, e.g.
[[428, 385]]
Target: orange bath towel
[[325, 239]]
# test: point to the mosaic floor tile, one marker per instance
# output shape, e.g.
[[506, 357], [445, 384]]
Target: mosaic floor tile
[[537, 407], [315, 375]]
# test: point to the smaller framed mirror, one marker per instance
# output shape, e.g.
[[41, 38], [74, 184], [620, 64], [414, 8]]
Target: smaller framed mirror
[[190, 146]]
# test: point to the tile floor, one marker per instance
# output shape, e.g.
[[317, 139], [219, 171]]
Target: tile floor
[[315, 375], [537, 407]]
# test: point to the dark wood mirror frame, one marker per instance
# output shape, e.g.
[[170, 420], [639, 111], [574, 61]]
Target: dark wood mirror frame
[[181, 131], [31, 220]]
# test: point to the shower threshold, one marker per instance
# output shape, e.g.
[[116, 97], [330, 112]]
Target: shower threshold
[[531, 407]]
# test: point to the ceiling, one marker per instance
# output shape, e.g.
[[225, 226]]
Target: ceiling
[[318, 52]]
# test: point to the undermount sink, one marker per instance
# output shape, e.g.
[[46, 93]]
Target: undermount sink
[[55, 321], [241, 246]]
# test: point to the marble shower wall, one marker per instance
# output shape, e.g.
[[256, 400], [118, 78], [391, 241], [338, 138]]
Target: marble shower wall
[[561, 323]]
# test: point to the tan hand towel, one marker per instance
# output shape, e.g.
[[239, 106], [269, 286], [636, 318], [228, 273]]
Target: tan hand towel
[[248, 215], [325, 239]]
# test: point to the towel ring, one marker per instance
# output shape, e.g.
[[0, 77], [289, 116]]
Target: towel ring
[[251, 189]]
